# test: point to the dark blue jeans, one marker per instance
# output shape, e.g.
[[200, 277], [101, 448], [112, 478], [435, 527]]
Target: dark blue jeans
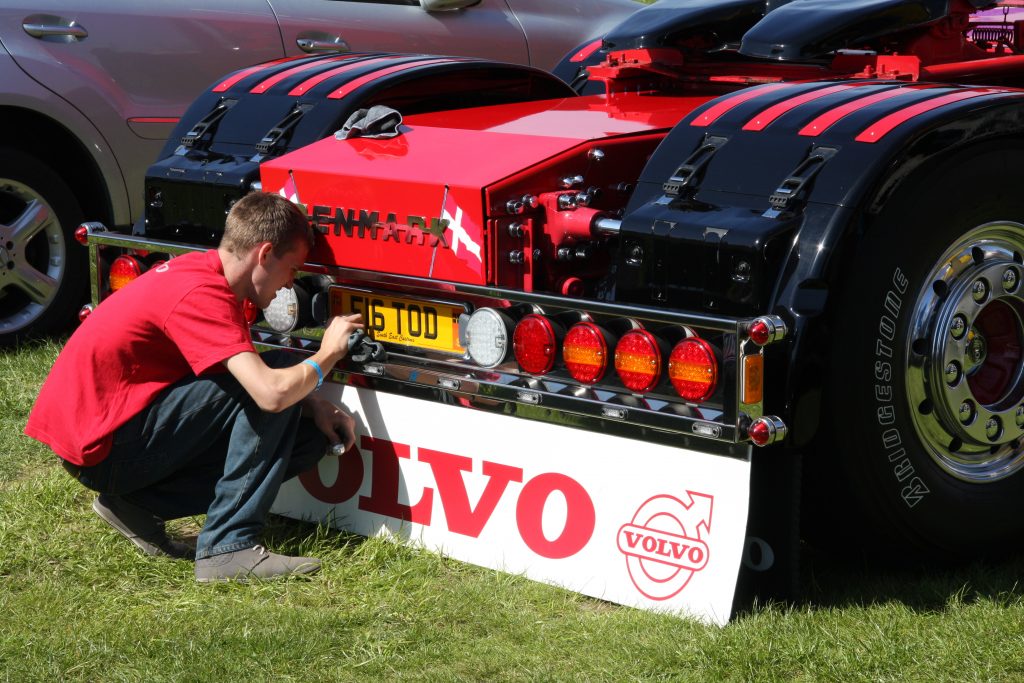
[[204, 446]]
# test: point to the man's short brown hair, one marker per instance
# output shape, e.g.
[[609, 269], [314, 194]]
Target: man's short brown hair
[[263, 217]]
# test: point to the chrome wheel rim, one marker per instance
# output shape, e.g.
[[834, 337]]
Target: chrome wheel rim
[[965, 356], [33, 255]]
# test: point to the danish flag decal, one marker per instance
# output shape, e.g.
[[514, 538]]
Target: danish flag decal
[[465, 235], [291, 192]]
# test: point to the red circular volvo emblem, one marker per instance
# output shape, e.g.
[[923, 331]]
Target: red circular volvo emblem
[[665, 543]]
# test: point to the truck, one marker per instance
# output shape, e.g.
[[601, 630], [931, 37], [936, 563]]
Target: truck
[[737, 274]]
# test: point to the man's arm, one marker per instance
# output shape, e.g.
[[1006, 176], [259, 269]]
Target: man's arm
[[274, 389]]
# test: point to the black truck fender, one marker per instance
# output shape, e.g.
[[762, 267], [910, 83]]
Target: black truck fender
[[212, 157]]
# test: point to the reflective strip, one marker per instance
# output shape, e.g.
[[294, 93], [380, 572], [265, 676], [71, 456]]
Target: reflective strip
[[363, 80], [225, 84], [883, 126], [265, 85], [716, 111], [154, 119], [761, 121], [314, 81], [586, 51], [823, 122]]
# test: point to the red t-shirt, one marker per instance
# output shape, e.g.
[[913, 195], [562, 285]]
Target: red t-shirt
[[176, 320]]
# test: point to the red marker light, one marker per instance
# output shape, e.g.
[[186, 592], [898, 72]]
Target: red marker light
[[82, 235], [766, 430], [585, 352], [84, 312], [250, 311], [123, 270], [759, 432], [638, 360], [766, 330], [693, 370], [535, 344], [760, 333]]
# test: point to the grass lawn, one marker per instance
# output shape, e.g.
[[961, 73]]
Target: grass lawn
[[77, 603]]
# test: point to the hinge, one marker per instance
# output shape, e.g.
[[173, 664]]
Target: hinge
[[683, 183], [784, 198], [208, 124]]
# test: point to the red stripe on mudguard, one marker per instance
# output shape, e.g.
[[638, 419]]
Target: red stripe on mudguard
[[227, 83], [363, 80], [826, 120], [265, 85], [587, 50], [716, 111], [763, 119], [879, 129], [314, 81]]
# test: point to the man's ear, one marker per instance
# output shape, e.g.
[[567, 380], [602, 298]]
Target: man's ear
[[263, 251]]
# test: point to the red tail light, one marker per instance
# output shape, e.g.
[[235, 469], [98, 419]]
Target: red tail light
[[585, 352], [693, 370], [123, 270], [82, 234], [535, 344], [638, 360]]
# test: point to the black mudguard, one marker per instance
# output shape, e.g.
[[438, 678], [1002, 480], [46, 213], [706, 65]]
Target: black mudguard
[[748, 204], [213, 156]]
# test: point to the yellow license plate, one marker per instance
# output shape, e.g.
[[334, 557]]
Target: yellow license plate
[[418, 323]]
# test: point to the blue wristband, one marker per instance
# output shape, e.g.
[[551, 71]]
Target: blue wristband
[[319, 371]]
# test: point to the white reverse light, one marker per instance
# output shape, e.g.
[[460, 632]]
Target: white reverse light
[[285, 312], [487, 337]]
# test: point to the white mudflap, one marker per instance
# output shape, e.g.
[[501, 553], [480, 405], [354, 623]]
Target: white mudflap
[[626, 521]]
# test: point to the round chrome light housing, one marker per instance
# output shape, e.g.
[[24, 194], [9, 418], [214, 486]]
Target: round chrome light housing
[[487, 337], [289, 310]]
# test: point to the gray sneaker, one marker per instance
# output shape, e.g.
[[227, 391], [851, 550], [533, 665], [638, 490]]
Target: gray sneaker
[[252, 563], [141, 527]]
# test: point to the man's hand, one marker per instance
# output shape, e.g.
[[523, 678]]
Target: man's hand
[[336, 424], [340, 327]]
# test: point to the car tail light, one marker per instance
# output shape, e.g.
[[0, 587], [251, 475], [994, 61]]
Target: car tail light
[[123, 270], [585, 352], [487, 337], [693, 370], [638, 360], [535, 344]]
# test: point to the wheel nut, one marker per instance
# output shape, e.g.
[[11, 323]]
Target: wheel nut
[[952, 373], [979, 290], [1010, 280], [958, 327], [992, 428], [966, 412], [1020, 416]]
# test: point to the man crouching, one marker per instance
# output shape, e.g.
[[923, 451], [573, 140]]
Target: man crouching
[[160, 402]]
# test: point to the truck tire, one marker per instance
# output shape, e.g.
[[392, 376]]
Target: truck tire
[[42, 269], [926, 390]]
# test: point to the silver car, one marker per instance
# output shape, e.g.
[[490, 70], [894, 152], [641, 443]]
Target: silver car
[[90, 91]]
